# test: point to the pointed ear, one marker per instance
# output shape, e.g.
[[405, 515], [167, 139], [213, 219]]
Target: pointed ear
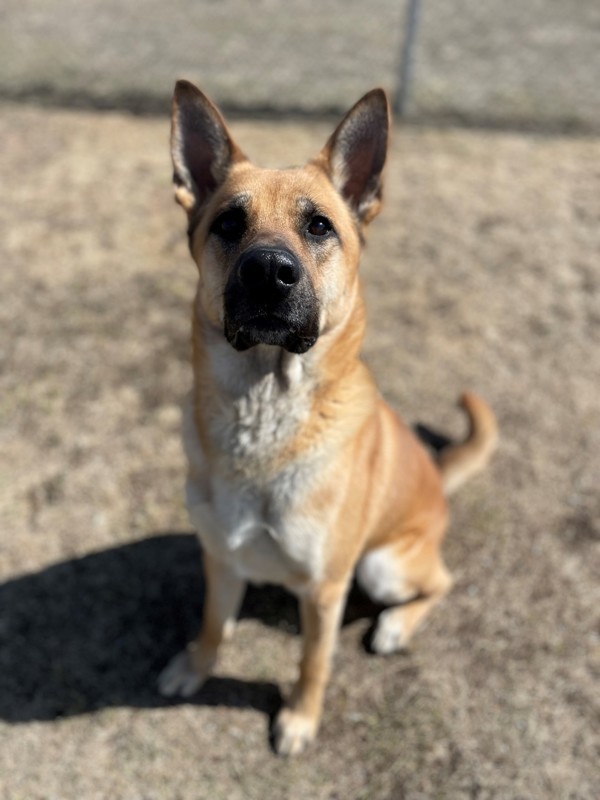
[[355, 154], [201, 147]]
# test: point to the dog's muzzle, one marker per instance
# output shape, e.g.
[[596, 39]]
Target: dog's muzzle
[[270, 299]]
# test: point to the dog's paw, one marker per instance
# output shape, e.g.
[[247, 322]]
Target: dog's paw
[[184, 674], [292, 732], [389, 635]]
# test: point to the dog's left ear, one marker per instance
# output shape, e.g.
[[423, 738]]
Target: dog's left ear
[[355, 154], [201, 147]]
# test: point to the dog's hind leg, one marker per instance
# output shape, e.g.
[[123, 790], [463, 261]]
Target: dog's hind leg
[[412, 586], [188, 670]]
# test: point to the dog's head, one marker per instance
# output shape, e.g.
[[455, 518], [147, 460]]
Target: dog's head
[[277, 250]]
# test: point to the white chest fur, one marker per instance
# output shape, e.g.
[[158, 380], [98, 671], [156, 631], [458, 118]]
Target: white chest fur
[[246, 513]]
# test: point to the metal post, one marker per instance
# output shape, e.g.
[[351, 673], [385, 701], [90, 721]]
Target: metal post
[[402, 97]]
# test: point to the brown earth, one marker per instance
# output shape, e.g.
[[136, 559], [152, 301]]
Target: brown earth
[[482, 273]]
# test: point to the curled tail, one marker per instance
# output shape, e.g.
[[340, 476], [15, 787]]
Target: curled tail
[[458, 462]]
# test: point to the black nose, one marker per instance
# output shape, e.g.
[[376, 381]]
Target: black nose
[[269, 272]]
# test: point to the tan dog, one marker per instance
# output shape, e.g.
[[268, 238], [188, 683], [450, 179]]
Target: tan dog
[[300, 474]]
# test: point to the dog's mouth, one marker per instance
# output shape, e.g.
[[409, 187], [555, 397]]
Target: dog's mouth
[[271, 329], [270, 299]]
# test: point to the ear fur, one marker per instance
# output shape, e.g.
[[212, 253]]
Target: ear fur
[[201, 147], [354, 155]]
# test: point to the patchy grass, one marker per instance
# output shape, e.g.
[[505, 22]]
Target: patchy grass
[[482, 272]]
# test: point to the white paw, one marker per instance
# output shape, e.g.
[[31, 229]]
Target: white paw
[[184, 674], [389, 636], [292, 732]]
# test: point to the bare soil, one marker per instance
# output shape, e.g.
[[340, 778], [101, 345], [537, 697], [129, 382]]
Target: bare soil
[[482, 272]]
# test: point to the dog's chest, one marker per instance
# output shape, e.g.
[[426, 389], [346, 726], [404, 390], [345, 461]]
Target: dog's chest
[[263, 400], [248, 508], [263, 532], [258, 426]]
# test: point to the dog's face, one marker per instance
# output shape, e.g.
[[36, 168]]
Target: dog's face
[[277, 250]]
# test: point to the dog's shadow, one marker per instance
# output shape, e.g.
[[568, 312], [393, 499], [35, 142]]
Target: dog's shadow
[[95, 631]]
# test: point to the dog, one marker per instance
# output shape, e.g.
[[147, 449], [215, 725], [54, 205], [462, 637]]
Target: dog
[[299, 473]]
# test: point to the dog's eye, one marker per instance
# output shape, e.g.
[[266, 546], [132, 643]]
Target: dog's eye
[[319, 226], [230, 225]]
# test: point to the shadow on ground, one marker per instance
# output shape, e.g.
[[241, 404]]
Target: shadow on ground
[[95, 631]]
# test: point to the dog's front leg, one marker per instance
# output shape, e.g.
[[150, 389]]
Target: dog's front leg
[[186, 673], [298, 722]]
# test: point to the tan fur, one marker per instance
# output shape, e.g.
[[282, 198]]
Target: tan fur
[[300, 473]]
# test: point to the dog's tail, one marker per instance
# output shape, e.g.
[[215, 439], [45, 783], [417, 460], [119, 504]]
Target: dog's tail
[[458, 462]]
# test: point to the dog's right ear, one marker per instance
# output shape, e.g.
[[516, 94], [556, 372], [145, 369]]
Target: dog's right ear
[[201, 147]]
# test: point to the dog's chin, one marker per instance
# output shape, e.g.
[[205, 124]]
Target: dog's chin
[[269, 330]]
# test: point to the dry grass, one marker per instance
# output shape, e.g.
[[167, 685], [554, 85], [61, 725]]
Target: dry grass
[[483, 272]]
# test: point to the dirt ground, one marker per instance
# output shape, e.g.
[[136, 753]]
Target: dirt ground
[[482, 272]]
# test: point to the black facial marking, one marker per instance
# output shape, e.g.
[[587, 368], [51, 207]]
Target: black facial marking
[[230, 225], [270, 299]]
